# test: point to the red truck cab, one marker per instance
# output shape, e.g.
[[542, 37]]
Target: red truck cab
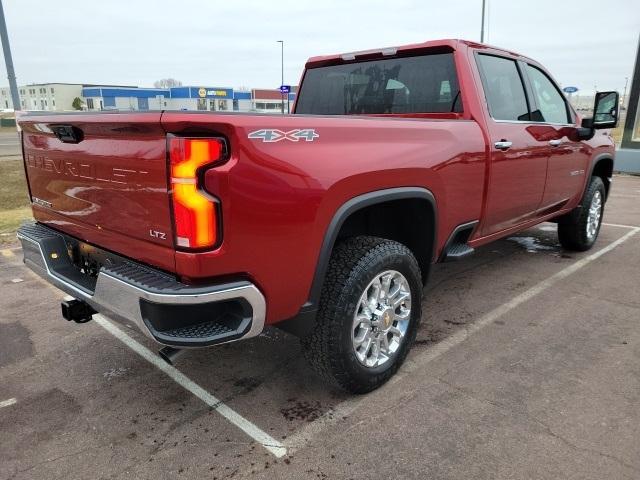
[[202, 228]]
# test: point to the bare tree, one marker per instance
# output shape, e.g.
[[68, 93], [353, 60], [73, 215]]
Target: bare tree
[[167, 83]]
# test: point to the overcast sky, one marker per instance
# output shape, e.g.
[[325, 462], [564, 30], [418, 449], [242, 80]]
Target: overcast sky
[[233, 43]]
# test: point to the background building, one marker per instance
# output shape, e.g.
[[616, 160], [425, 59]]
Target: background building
[[58, 97], [43, 96], [270, 101], [124, 98], [213, 99]]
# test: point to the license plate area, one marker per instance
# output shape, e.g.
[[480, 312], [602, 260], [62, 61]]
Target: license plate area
[[86, 258], [85, 262]]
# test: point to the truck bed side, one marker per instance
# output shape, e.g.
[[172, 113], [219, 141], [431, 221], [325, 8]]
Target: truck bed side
[[278, 198]]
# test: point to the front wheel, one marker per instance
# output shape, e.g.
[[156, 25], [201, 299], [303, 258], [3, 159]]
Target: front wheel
[[579, 229], [368, 314]]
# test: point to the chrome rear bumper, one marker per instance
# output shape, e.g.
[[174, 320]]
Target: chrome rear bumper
[[168, 311]]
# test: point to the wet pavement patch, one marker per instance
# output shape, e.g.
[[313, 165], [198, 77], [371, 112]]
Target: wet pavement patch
[[534, 244], [248, 383], [19, 430], [15, 343], [303, 410]]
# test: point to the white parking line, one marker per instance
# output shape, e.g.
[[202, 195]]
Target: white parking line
[[623, 195], [305, 434], [619, 225], [263, 438], [6, 403]]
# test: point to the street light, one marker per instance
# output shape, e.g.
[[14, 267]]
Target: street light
[[281, 42], [6, 49], [624, 95], [482, 26]]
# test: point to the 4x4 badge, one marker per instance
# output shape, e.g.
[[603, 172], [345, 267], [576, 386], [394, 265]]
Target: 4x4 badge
[[272, 135]]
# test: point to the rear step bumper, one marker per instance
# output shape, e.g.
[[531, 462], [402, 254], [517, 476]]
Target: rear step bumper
[[170, 312]]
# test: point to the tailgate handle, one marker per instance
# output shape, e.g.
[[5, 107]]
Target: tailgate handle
[[67, 133]]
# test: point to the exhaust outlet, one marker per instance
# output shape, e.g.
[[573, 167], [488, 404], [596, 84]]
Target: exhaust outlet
[[170, 354]]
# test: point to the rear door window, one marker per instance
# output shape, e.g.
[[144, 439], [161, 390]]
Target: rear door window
[[503, 88], [420, 84]]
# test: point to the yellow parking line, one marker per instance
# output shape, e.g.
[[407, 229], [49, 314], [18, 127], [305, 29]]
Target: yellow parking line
[[7, 253]]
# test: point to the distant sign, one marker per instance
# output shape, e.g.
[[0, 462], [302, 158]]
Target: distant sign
[[211, 92], [285, 89], [570, 89]]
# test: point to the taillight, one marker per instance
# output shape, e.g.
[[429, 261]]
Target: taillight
[[195, 212]]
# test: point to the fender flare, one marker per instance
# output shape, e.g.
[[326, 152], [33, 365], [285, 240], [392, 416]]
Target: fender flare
[[594, 162], [304, 321]]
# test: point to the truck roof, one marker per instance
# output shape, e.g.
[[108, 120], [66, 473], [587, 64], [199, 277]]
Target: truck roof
[[447, 44]]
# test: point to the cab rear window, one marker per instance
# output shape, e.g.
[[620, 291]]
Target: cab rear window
[[420, 84]]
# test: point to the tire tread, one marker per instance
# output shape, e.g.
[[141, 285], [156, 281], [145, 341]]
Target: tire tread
[[350, 260], [572, 227]]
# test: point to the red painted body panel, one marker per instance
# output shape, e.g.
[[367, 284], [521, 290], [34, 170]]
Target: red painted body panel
[[277, 199], [110, 189]]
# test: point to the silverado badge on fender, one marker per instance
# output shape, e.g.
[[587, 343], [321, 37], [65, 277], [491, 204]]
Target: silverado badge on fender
[[271, 135]]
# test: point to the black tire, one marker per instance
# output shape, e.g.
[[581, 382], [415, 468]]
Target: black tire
[[329, 347], [573, 227]]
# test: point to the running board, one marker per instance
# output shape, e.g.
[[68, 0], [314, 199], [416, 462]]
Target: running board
[[457, 247]]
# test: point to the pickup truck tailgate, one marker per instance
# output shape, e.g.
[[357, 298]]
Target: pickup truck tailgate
[[103, 179]]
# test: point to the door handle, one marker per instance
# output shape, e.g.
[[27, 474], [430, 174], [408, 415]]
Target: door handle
[[503, 145], [555, 143]]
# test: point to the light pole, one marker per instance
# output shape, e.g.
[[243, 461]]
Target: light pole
[[482, 26], [11, 74], [624, 94], [281, 42]]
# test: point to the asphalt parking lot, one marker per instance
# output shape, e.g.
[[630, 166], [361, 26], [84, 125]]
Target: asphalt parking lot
[[527, 365]]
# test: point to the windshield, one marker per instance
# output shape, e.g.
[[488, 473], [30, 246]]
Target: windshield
[[421, 84]]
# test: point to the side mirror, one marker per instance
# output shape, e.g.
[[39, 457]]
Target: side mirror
[[605, 115], [605, 110]]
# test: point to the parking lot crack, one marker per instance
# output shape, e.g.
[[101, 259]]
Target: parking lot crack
[[55, 459], [615, 302], [546, 428], [580, 448], [408, 395]]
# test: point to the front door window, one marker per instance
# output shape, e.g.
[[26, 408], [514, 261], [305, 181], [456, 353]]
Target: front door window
[[552, 107]]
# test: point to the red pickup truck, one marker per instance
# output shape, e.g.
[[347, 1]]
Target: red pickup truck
[[203, 228]]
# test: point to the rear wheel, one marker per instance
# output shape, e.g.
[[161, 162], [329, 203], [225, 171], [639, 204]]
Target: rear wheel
[[368, 314], [579, 229]]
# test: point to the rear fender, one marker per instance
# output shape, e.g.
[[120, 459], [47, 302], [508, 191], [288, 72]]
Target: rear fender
[[304, 321]]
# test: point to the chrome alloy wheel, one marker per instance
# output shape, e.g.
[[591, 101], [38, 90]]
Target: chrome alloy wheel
[[595, 212], [381, 319]]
